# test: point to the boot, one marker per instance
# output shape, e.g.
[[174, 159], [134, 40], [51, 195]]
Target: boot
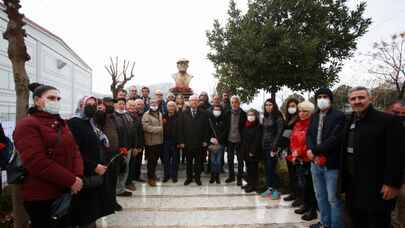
[[239, 182], [152, 182], [217, 179], [230, 179], [297, 203], [289, 198], [310, 215], [301, 210], [212, 180], [250, 189]]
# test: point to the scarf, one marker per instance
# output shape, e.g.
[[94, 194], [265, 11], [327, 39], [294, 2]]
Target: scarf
[[79, 113]]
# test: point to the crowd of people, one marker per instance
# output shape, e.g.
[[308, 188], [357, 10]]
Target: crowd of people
[[97, 154]]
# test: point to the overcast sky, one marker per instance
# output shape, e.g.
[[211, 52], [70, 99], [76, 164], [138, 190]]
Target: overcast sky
[[155, 33]]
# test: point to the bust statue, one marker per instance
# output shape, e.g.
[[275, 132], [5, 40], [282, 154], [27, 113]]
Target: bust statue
[[182, 78]]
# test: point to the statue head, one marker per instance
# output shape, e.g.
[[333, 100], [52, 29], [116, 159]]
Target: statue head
[[182, 65]]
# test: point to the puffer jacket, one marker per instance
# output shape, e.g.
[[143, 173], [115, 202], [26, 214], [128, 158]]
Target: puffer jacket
[[153, 128], [298, 140], [53, 162]]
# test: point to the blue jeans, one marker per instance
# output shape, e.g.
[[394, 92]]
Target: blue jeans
[[325, 186], [170, 159], [216, 160], [271, 174]]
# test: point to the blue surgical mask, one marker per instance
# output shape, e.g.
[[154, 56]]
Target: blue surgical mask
[[52, 107]]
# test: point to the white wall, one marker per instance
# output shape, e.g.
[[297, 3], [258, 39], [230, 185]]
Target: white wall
[[74, 80]]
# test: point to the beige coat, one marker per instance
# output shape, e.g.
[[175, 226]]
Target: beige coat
[[153, 129]]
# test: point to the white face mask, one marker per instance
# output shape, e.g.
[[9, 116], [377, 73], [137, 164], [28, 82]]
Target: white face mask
[[52, 107], [292, 110], [154, 108], [251, 118], [216, 113], [323, 103]]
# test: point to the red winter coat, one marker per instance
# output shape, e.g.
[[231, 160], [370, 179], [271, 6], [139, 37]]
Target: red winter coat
[[298, 140], [52, 167]]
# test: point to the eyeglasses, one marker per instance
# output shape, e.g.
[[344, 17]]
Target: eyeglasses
[[53, 98]]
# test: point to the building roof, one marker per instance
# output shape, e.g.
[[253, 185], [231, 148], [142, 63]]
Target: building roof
[[55, 37]]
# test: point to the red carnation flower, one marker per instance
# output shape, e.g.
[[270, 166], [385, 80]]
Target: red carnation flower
[[2, 146], [123, 151], [321, 160]]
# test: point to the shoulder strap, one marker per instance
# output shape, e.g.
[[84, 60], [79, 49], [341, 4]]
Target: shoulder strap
[[212, 127]]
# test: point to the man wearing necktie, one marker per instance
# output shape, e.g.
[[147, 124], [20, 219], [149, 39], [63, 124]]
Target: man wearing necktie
[[193, 137]]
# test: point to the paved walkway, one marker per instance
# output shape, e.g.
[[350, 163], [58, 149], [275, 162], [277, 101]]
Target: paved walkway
[[209, 205]]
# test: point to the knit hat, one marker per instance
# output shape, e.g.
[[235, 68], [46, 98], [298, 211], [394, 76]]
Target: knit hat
[[306, 106], [325, 91]]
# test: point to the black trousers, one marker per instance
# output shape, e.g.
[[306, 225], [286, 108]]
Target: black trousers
[[153, 153], [292, 178], [194, 163], [138, 166], [306, 186], [363, 217], [233, 149], [39, 213], [131, 171], [252, 173], [366, 219]]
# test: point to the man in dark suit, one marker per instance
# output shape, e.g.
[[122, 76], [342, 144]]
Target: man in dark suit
[[194, 136], [371, 162]]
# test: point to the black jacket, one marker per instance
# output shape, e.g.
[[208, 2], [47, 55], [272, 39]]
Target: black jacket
[[194, 131], [332, 127], [126, 130], [242, 120], [171, 127], [137, 130], [92, 203], [272, 133], [221, 128], [378, 150], [251, 146]]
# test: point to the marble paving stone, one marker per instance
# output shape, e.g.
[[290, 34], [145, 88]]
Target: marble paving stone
[[176, 205]]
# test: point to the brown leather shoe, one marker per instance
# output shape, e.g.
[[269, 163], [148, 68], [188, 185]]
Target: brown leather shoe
[[131, 187], [152, 182]]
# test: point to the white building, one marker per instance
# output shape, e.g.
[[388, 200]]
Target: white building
[[52, 62]]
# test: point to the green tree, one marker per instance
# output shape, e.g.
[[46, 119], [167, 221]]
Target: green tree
[[341, 95], [276, 43]]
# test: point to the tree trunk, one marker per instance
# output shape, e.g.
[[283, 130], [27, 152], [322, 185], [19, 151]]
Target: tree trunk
[[17, 53], [22, 98], [273, 93]]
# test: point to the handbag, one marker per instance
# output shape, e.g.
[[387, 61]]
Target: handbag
[[16, 173], [213, 148], [93, 181], [61, 206]]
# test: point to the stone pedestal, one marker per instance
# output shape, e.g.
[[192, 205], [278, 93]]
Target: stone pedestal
[[185, 92]]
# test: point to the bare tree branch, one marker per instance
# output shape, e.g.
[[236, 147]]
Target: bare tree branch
[[390, 65], [119, 77]]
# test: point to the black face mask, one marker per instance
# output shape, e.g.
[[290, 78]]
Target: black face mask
[[109, 109], [99, 117], [402, 118], [89, 110]]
